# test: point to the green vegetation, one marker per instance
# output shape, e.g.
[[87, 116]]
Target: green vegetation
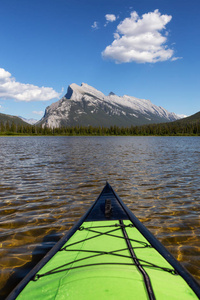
[[166, 129]]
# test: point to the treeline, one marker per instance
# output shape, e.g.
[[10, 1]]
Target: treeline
[[174, 128]]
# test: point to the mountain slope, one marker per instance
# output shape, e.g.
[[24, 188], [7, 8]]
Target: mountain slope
[[29, 121], [11, 119], [84, 105], [187, 126], [190, 120]]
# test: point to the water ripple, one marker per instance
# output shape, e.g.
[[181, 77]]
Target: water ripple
[[47, 183]]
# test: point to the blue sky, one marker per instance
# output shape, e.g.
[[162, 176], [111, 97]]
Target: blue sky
[[142, 48]]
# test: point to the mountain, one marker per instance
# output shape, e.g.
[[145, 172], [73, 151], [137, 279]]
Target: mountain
[[84, 105], [29, 121], [11, 119], [189, 120], [188, 126], [181, 116]]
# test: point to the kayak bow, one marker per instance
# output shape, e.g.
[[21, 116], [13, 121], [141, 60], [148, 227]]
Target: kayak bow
[[108, 254]]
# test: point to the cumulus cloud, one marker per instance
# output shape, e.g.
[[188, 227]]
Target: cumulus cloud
[[110, 18], [140, 40], [40, 113], [95, 25], [11, 89]]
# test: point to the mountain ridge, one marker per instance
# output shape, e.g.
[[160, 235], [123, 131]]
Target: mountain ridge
[[4, 118], [84, 105], [29, 121], [190, 119]]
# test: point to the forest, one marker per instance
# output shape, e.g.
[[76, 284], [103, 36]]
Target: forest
[[163, 129]]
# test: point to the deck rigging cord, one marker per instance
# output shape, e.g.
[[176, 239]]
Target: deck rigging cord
[[121, 226]]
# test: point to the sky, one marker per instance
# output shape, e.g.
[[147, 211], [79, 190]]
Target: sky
[[141, 48]]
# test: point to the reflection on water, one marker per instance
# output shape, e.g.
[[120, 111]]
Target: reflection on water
[[47, 183]]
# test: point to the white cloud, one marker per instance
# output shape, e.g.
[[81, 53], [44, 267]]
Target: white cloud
[[175, 58], [110, 18], [139, 39], [40, 113], [11, 89], [95, 25], [4, 74]]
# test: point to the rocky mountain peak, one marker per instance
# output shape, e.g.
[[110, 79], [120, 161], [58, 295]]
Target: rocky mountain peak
[[84, 105], [75, 92], [69, 92]]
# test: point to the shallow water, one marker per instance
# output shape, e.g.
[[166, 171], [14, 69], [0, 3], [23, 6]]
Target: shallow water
[[47, 183]]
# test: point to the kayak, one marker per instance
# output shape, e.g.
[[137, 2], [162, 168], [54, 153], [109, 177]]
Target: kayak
[[108, 254]]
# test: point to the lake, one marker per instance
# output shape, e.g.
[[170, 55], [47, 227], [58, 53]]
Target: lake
[[47, 183]]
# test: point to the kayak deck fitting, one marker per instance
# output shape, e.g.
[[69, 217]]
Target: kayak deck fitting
[[108, 254]]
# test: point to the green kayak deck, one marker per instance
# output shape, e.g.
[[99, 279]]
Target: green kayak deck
[[109, 254]]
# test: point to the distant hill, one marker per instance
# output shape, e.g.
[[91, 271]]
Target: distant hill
[[85, 106], [191, 119], [185, 126], [29, 121], [11, 119]]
